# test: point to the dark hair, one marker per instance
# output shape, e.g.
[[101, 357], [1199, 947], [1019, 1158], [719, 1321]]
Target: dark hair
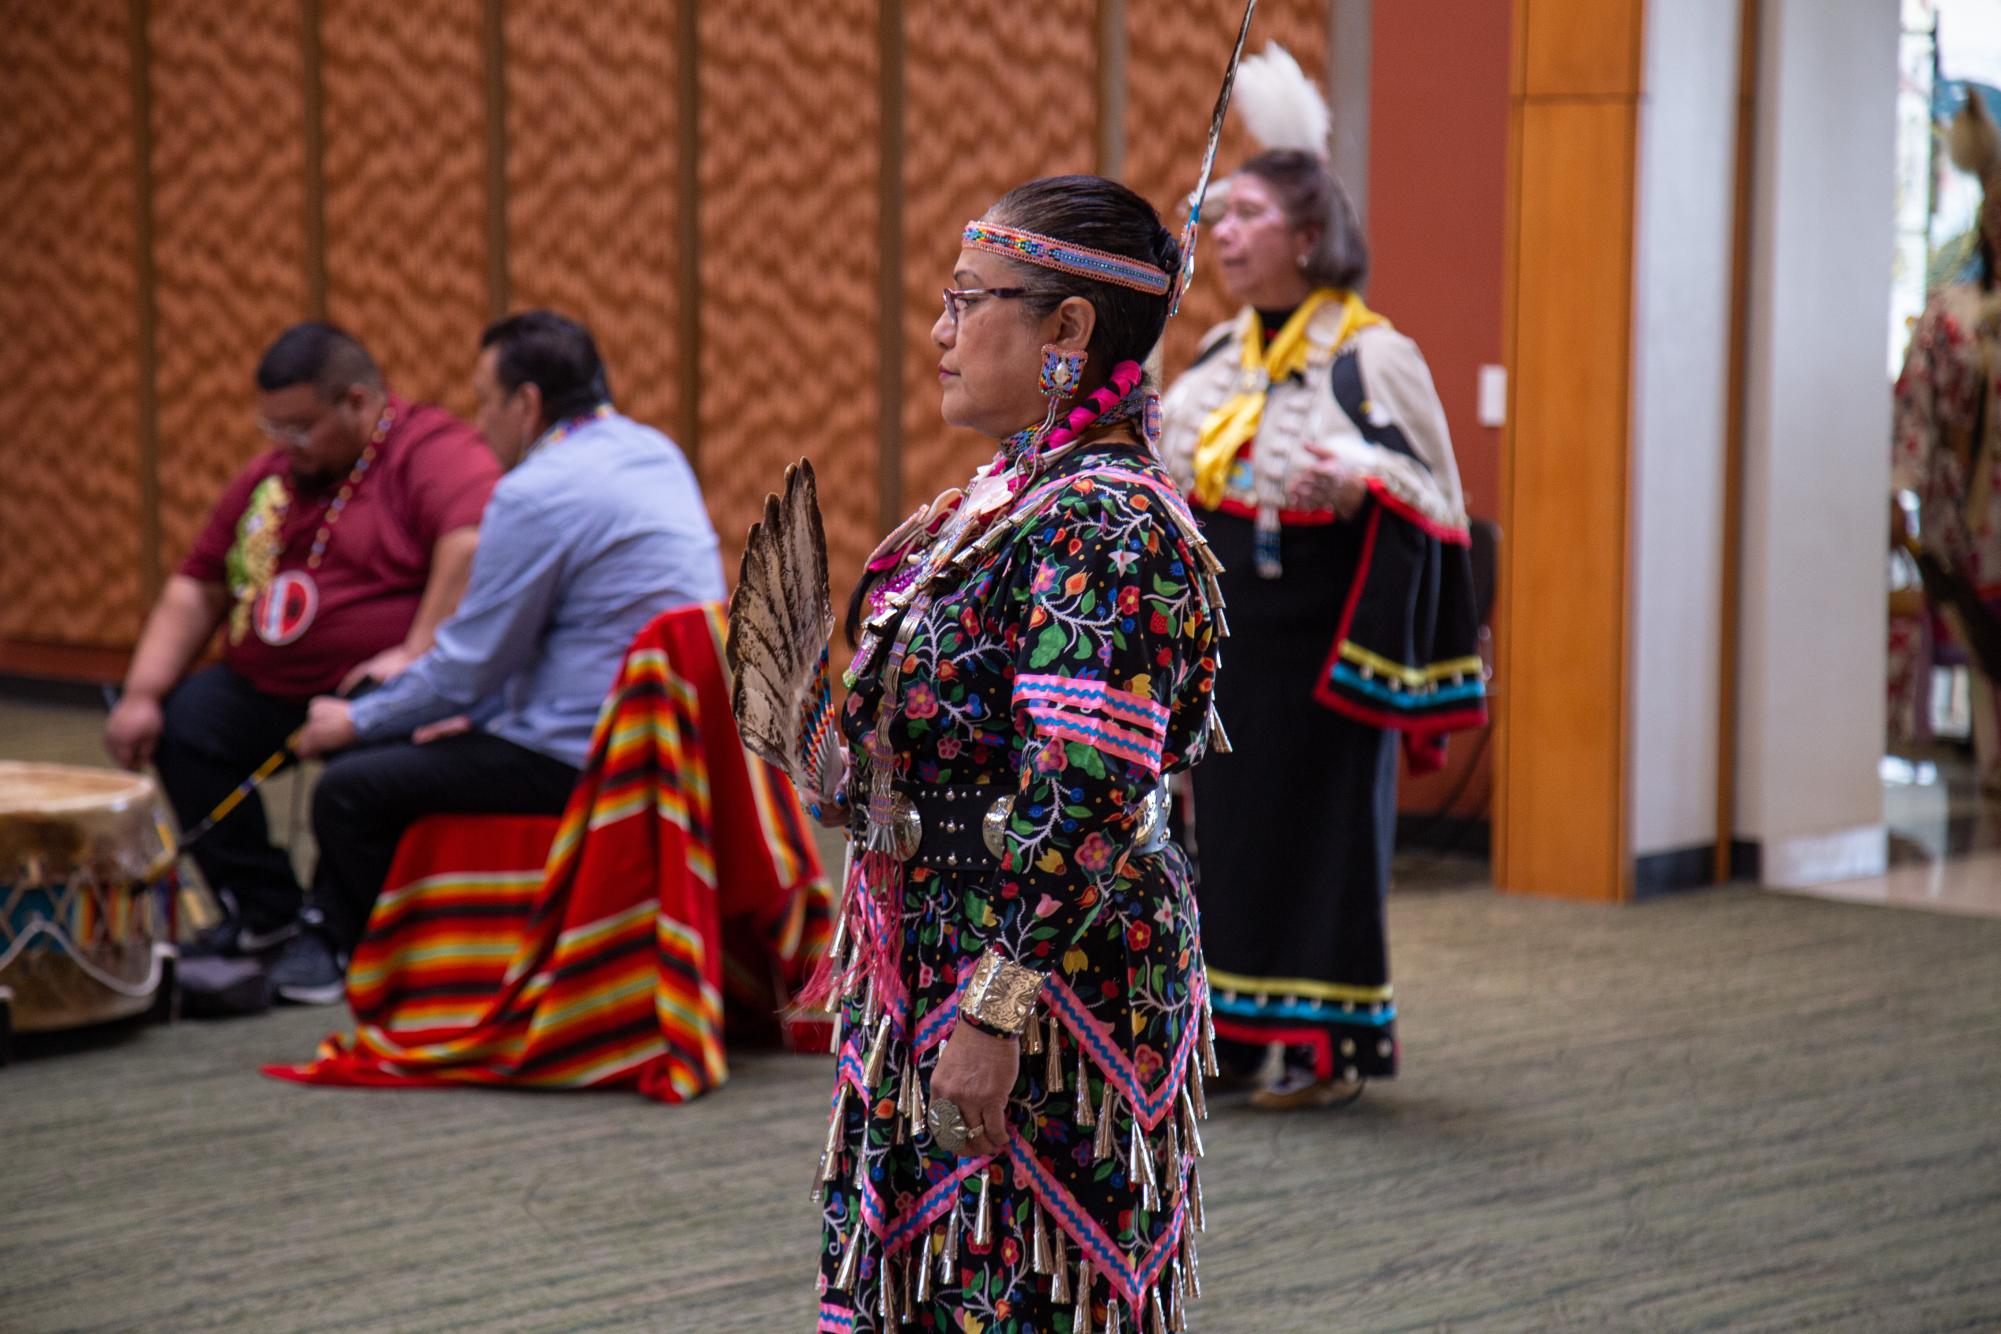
[[1312, 196], [1104, 215], [555, 354], [323, 355]]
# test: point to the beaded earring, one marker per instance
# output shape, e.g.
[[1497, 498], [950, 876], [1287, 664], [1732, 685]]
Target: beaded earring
[[1062, 373]]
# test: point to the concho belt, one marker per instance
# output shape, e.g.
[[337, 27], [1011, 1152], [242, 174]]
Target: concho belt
[[956, 828]]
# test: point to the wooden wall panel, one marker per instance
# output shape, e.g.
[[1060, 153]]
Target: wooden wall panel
[[406, 187], [1581, 47], [71, 513], [229, 235], [1562, 823], [1034, 114], [789, 270], [1175, 64], [592, 182]]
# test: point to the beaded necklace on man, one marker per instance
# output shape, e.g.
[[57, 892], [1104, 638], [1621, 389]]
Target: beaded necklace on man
[[282, 605], [556, 434]]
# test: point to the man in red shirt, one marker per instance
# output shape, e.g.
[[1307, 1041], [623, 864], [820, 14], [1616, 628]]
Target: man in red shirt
[[329, 560]]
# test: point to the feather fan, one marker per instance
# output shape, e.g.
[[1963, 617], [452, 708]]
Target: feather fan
[[780, 617]]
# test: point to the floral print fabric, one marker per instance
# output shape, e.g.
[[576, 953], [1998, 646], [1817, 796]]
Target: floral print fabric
[[1070, 666]]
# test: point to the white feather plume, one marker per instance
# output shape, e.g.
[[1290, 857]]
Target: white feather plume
[[1280, 106]]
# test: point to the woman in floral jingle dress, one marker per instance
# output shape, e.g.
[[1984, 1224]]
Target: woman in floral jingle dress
[[1021, 1006]]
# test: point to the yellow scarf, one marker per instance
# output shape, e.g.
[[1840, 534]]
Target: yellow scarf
[[1229, 428]]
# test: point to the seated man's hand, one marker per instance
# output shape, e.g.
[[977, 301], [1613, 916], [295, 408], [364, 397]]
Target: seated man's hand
[[384, 667], [329, 727], [444, 727], [133, 730]]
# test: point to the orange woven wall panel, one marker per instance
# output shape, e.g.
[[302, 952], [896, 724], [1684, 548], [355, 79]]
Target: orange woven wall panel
[[70, 505], [229, 235], [790, 173], [406, 193], [1176, 55], [996, 94], [591, 182]]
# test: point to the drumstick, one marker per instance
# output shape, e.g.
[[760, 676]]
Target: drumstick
[[235, 796]]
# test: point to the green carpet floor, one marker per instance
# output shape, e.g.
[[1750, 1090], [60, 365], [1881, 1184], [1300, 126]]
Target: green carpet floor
[[1725, 1110]]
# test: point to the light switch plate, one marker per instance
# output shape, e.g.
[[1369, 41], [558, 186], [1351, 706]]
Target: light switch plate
[[1493, 395]]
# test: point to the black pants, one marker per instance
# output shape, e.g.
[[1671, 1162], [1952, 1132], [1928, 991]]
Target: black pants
[[367, 798], [218, 729]]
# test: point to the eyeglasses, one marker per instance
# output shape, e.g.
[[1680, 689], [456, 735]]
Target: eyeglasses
[[292, 437], [957, 299]]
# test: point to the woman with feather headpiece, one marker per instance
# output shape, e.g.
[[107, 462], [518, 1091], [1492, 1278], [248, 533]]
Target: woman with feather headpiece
[[1946, 450], [1312, 442]]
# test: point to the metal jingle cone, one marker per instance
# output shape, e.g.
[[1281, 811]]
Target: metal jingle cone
[[885, 1293], [871, 1005], [948, 1255], [1198, 1093], [1172, 1167], [1059, 1273], [1178, 1283], [1080, 1323], [851, 1259], [1210, 1065], [983, 1214], [1188, 1126], [1139, 1166], [1114, 1317], [917, 1106], [834, 1047], [1040, 1258], [1031, 1036], [861, 1164], [904, 1125], [1156, 1319], [830, 1156], [878, 1057], [1195, 1201], [1052, 1074], [1194, 1260], [840, 936], [904, 1281], [1103, 1145], [922, 1264], [1087, 1115]]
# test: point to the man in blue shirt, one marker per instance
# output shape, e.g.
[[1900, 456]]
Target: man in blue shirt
[[597, 527]]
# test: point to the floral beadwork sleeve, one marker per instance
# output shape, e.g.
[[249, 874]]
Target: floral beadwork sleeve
[[1113, 656]]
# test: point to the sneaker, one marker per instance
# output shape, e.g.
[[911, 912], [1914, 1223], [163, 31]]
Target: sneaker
[[309, 971], [233, 938], [251, 941]]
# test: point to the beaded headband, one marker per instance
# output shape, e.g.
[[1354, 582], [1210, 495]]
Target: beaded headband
[[1050, 253]]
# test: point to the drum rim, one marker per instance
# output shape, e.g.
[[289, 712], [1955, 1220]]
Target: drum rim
[[133, 789]]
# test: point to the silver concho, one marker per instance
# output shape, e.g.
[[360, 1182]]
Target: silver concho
[[993, 826], [1152, 819], [901, 825]]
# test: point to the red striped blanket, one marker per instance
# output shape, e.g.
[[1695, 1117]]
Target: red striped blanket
[[680, 883]]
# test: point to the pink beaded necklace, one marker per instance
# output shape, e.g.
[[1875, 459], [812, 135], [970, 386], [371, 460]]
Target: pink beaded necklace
[[346, 492]]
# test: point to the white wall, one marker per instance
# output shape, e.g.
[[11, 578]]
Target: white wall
[[1811, 670], [1681, 385]]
